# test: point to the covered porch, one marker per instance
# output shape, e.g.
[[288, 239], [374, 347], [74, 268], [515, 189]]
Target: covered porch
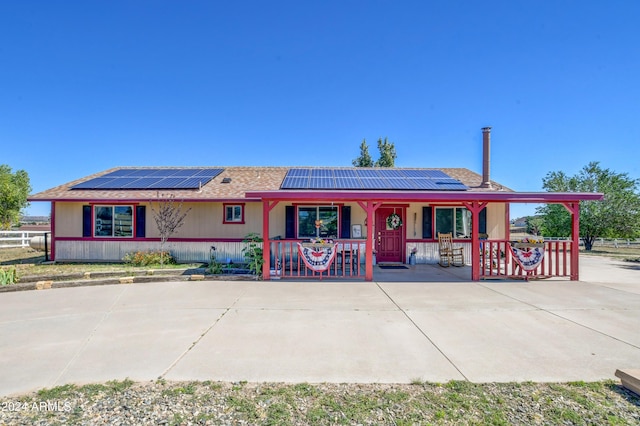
[[485, 258]]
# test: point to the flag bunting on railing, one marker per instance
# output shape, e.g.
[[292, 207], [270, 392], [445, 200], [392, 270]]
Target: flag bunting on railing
[[317, 258], [528, 257]]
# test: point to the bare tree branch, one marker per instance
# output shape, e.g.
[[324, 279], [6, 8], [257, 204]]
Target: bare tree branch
[[169, 217]]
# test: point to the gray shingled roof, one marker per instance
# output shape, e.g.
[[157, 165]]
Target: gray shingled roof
[[243, 179]]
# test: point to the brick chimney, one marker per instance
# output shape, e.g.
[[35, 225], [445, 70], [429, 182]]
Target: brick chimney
[[486, 151]]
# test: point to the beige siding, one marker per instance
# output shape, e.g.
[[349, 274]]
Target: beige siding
[[205, 220], [358, 216], [496, 221], [413, 221], [277, 221], [68, 220]]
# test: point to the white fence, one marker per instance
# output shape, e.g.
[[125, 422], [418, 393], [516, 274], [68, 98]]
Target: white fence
[[614, 242], [9, 239]]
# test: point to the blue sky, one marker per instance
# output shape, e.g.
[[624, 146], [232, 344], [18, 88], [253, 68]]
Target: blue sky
[[89, 85]]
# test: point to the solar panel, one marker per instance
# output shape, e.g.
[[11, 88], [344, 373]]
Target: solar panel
[[450, 184], [412, 173], [298, 172], [152, 178], [434, 174], [194, 182], [164, 172], [295, 182], [390, 173], [209, 172], [321, 183], [142, 172], [326, 173], [118, 183], [374, 184], [166, 183], [367, 173], [405, 183], [348, 183], [428, 184], [344, 173], [186, 172], [120, 172], [142, 182], [93, 183], [370, 178], [448, 181]]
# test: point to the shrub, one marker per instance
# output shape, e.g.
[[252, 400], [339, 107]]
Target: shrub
[[215, 267], [253, 254], [8, 276], [145, 258]]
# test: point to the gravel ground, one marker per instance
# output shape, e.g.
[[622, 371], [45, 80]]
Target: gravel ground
[[216, 403]]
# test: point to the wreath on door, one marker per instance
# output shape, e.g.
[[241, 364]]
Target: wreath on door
[[394, 221]]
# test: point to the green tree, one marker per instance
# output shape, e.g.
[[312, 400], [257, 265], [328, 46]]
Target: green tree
[[14, 190], [616, 216], [387, 154], [364, 160], [534, 224]]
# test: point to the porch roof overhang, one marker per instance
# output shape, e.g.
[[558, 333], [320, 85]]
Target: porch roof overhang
[[430, 196]]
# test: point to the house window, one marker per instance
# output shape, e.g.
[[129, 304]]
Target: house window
[[456, 220], [307, 217], [233, 213], [113, 221]]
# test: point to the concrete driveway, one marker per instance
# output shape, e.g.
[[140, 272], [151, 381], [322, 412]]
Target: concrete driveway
[[325, 331]]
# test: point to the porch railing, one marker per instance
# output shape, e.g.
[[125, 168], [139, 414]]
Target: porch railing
[[348, 262], [497, 261]]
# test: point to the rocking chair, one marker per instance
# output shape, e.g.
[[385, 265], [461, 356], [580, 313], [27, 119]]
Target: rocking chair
[[449, 255]]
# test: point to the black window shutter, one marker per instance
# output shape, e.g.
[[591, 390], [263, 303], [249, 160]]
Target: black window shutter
[[482, 226], [86, 221], [427, 222], [141, 212], [290, 221], [345, 222]]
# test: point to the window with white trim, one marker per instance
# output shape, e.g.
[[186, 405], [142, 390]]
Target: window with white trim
[[113, 221], [233, 213]]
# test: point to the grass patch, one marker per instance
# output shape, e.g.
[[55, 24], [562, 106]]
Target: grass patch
[[455, 402], [58, 392], [30, 263], [188, 389], [244, 406], [631, 254]]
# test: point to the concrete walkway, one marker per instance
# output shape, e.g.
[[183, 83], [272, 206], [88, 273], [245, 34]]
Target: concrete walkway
[[325, 331]]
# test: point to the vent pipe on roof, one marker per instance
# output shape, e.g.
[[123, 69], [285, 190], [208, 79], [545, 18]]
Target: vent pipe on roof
[[486, 150]]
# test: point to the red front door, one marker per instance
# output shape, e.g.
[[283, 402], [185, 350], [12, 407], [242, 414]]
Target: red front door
[[388, 241]]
